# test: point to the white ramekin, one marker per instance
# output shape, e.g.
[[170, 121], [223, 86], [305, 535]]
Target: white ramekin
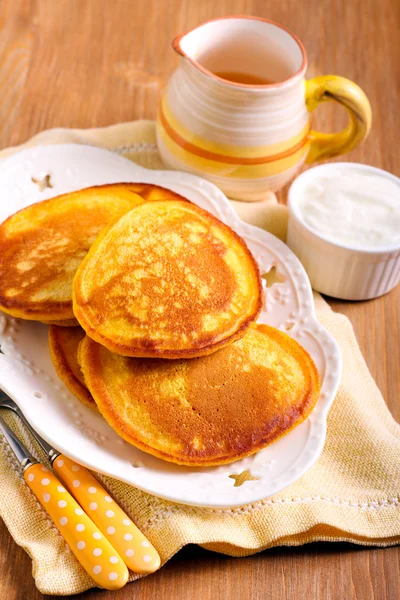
[[334, 268]]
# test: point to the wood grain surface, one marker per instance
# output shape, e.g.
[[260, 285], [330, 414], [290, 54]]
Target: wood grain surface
[[86, 63]]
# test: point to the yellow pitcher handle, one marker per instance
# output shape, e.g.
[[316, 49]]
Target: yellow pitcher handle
[[348, 94]]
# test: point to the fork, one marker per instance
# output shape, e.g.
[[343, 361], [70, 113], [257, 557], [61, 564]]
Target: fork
[[94, 552], [130, 543]]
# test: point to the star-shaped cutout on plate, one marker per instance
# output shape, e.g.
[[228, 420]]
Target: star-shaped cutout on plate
[[272, 276], [43, 183], [241, 478]]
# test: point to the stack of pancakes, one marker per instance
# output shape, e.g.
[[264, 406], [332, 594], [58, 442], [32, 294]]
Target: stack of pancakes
[[152, 304]]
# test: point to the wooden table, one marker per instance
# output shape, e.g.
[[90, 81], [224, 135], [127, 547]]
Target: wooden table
[[87, 63]]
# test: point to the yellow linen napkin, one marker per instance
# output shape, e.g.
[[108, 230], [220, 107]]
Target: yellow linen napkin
[[350, 494]]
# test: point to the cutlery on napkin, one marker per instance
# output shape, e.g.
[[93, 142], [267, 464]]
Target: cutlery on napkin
[[105, 516]]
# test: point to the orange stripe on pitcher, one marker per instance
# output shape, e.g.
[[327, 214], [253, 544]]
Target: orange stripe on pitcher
[[223, 158], [203, 163], [210, 145]]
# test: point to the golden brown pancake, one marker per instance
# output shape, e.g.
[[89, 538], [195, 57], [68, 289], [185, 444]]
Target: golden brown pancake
[[209, 410], [66, 323], [63, 344], [42, 245], [151, 192], [167, 280]]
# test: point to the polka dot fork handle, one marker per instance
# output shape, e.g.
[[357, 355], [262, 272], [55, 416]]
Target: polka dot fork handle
[[136, 550], [95, 553]]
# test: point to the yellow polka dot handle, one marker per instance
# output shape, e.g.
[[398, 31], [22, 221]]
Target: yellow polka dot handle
[[339, 89], [95, 553], [136, 550]]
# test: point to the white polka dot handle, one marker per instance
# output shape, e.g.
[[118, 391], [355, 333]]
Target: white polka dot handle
[[95, 553], [136, 550]]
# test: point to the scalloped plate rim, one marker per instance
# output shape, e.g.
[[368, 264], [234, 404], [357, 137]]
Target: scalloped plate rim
[[175, 180]]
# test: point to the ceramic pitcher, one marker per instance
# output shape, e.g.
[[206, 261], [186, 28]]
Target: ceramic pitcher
[[250, 138]]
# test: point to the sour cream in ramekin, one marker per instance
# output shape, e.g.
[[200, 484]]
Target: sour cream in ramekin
[[344, 225]]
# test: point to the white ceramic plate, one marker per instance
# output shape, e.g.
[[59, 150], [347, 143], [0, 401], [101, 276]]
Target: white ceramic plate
[[28, 376]]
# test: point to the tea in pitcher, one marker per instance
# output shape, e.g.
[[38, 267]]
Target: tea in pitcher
[[243, 78]]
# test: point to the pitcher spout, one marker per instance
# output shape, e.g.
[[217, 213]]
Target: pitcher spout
[[243, 51]]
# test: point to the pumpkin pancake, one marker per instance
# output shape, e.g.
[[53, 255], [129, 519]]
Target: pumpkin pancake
[[209, 410], [167, 280], [42, 245], [66, 323], [63, 344]]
